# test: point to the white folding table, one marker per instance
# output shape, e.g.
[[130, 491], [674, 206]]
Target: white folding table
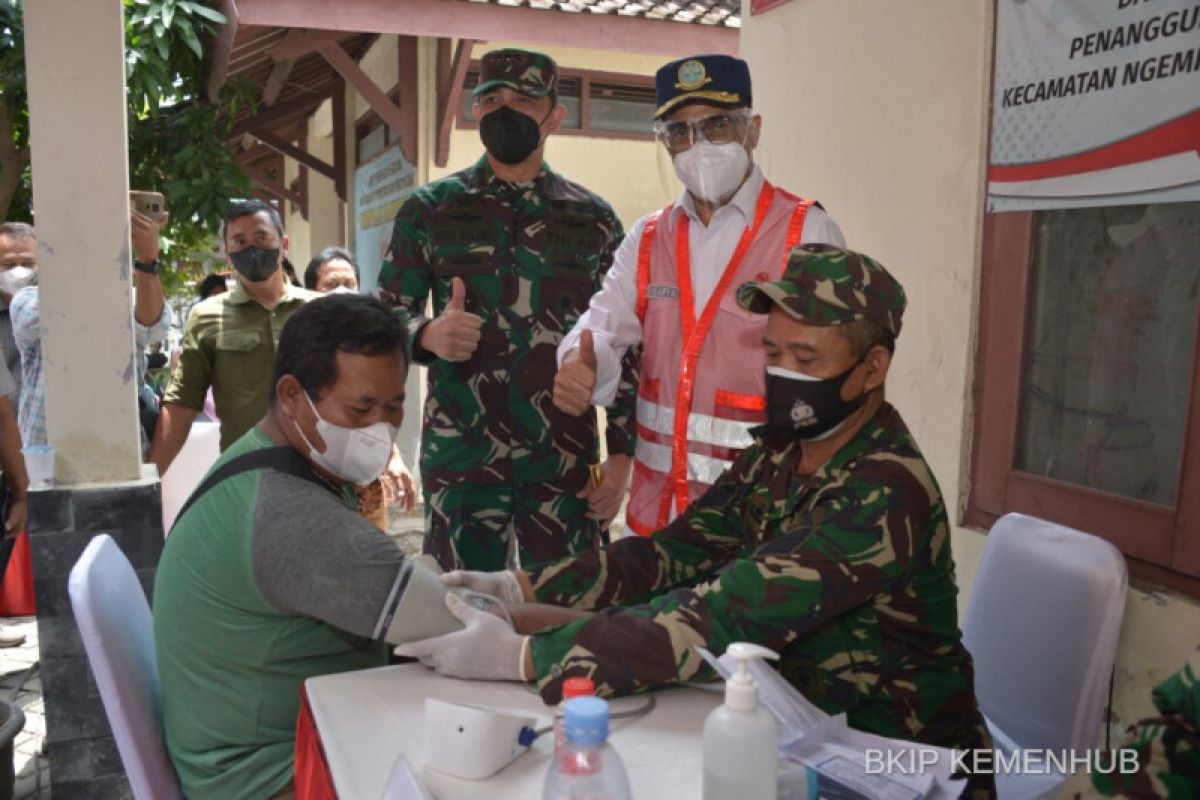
[[366, 719]]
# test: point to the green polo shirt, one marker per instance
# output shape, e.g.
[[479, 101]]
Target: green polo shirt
[[229, 343]]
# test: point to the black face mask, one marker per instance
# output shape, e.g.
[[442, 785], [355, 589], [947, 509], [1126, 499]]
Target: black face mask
[[806, 409], [254, 263], [510, 136]]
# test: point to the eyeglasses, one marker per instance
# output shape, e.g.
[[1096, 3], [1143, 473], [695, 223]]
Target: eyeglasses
[[716, 128]]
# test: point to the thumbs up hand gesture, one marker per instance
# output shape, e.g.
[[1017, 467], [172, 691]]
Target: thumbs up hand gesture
[[576, 378], [455, 333]]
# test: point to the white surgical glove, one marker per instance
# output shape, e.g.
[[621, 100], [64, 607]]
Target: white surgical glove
[[501, 585], [487, 649]]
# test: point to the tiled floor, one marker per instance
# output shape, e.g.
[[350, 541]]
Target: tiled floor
[[21, 680]]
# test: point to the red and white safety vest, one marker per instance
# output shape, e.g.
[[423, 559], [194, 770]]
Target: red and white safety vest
[[702, 381]]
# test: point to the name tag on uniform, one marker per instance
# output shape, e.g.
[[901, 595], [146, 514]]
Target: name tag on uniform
[[663, 292]]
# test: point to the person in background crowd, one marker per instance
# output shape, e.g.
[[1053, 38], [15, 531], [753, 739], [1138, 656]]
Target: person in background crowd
[[826, 541], [331, 270], [334, 271], [213, 283], [151, 316], [511, 252], [18, 250], [701, 384], [229, 340], [16, 480]]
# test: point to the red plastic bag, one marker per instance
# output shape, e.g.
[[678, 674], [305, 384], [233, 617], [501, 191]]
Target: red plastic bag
[[16, 592]]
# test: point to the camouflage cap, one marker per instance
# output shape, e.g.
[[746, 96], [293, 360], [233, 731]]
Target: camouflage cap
[[534, 74], [826, 285]]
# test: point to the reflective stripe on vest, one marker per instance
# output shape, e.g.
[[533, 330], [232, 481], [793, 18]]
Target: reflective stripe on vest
[[703, 428], [702, 469]]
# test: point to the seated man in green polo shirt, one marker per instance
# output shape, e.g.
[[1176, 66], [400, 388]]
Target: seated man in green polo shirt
[[270, 576], [229, 341], [827, 541]]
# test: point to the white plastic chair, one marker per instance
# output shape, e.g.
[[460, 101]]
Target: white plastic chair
[[183, 476], [1042, 625], [114, 622]]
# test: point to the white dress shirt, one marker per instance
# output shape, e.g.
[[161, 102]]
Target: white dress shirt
[[612, 313]]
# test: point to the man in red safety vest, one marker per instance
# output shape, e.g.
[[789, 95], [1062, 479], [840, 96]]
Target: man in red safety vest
[[672, 290]]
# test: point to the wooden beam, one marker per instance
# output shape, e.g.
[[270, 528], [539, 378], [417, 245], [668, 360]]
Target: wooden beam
[[274, 187], [490, 22], [284, 112], [349, 69], [450, 89], [407, 52], [288, 149], [301, 43], [218, 70], [276, 80], [340, 166]]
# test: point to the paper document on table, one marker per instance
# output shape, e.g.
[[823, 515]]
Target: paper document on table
[[838, 754]]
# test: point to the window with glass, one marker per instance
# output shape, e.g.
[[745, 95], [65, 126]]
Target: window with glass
[[1087, 387]]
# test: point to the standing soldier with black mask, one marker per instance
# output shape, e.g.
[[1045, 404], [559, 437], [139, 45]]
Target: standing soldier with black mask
[[512, 252]]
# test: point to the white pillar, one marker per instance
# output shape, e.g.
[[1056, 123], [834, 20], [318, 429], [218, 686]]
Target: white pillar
[[75, 61]]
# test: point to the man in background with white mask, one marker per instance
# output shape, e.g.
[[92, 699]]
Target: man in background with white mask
[[672, 288], [18, 260]]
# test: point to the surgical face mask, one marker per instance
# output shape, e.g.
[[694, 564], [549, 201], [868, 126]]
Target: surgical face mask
[[712, 172], [357, 455], [510, 136], [341, 290], [254, 263], [805, 407], [16, 278]]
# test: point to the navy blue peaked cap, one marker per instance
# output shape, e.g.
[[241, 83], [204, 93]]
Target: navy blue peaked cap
[[714, 79]]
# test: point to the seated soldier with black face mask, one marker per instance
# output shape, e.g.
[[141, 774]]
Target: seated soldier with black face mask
[[827, 541], [269, 575]]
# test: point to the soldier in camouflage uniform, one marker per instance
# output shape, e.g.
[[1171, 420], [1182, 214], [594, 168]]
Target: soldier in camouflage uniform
[[827, 540], [1168, 746], [511, 252]]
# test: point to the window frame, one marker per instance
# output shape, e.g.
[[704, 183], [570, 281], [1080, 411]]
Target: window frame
[[1161, 544], [585, 77]]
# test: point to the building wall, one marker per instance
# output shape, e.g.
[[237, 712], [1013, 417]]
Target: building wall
[[888, 129]]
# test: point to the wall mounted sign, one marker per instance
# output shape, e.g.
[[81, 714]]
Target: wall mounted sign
[[1096, 102]]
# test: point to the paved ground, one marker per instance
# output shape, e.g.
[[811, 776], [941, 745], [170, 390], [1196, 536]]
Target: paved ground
[[21, 680]]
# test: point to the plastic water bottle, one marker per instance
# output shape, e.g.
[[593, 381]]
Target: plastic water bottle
[[572, 687], [587, 768]]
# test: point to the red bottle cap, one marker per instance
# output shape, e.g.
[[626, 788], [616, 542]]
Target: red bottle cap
[[578, 687]]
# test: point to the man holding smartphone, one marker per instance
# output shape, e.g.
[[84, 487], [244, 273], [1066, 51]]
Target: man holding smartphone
[[151, 316]]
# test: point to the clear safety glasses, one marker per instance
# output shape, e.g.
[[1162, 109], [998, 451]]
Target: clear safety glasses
[[728, 126]]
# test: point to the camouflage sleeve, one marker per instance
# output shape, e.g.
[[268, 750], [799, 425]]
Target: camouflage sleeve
[[858, 542], [635, 568], [620, 434], [407, 272], [1167, 746]]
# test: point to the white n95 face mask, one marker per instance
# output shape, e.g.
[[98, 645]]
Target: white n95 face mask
[[712, 172], [16, 278], [357, 455]]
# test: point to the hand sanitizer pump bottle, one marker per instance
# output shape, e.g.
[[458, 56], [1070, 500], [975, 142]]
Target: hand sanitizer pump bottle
[[741, 739]]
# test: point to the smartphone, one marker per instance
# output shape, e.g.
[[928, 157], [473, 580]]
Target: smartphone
[[151, 204]]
